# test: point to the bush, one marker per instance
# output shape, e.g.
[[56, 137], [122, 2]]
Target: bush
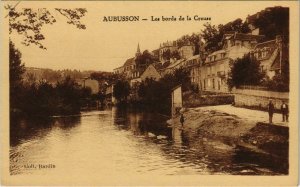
[[245, 71]]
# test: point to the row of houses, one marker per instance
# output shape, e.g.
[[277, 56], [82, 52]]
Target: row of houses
[[209, 72]]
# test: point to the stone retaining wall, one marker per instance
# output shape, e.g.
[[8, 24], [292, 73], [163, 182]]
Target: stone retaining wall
[[259, 98]]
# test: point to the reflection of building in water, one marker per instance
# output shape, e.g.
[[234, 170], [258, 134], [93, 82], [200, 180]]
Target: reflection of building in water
[[176, 100], [134, 122], [177, 135]]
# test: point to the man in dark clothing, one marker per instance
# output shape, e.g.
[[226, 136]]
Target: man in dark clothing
[[270, 110], [285, 112], [181, 119]]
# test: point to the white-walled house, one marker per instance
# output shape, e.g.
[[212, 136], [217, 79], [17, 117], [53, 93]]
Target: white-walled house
[[214, 71]]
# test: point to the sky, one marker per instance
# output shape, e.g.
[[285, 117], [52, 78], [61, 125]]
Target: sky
[[104, 46]]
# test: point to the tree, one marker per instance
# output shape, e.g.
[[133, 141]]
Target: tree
[[29, 22], [16, 70], [245, 71], [156, 95], [175, 55], [213, 35], [166, 54], [121, 90], [193, 39], [145, 59], [69, 93], [273, 22], [280, 82]]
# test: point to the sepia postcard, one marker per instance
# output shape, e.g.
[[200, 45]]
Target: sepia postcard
[[149, 93]]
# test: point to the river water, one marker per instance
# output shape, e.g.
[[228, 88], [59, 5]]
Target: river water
[[119, 141]]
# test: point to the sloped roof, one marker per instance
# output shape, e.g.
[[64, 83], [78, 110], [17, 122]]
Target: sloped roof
[[153, 65], [129, 62], [248, 37], [193, 57], [285, 56], [271, 44], [119, 67], [175, 63], [160, 66], [218, 52], [276, 64], [241, 36]]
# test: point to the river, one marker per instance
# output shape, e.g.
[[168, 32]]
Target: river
[[119, 141]]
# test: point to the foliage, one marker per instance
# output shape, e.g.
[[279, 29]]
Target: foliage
[[16, 70], [106, 77], [280, 82], [156, 95], [42, 98], [167, 55], [29, 22], [213, 35], [121, 90], [193, 39], [45, 99], [145, 59], [245, 71], [273, 22]]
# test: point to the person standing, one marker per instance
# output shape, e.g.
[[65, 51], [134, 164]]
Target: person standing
[[285, 112], [270, 110], [181, 119]]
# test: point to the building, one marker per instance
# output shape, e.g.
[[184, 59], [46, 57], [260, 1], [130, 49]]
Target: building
[[187, 50], [214, 71], [89, 83], [166, 47], [172, 67], [272, 55], [193, 64], [119, 70], [151, 73], [131, 68]]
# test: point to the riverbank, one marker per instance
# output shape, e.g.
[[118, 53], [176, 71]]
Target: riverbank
[[240, 127]]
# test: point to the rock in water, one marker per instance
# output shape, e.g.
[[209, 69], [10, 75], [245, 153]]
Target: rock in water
[[161, 137], [151, 134]]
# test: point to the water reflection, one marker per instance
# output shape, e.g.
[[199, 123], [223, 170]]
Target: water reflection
[[124, 140]]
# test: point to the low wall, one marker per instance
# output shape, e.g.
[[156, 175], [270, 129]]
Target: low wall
[[259, 99], [191, 100]]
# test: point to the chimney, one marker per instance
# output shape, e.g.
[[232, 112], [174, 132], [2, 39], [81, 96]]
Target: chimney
[[279, 44]]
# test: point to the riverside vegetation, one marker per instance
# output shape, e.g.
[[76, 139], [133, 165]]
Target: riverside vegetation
[[43, 98]]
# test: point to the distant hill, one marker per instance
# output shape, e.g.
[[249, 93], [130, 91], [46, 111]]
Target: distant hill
[[33, 74]]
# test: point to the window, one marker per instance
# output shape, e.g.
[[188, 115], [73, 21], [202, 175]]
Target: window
[[223, 55], [264, 54]]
